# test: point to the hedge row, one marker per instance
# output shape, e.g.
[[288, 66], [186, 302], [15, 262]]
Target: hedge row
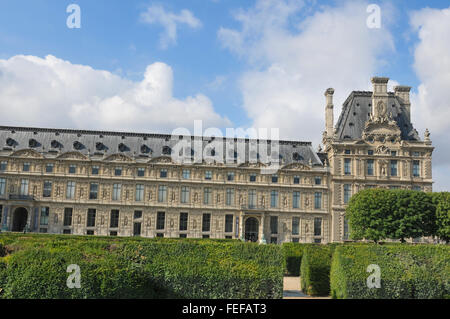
[[315, 270], [139, 268], [406, 271]]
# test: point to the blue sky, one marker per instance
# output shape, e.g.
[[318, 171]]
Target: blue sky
[[237, 63]]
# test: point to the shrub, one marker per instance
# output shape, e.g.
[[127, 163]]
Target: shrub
[[292, 253], [140, 268], [443, 216], [315, 270], [407, 271]]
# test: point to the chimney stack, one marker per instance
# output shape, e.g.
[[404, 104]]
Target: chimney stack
[[379, 97], [329, 120], [402, 93]]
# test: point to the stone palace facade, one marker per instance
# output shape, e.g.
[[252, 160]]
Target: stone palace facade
[[64, 181]]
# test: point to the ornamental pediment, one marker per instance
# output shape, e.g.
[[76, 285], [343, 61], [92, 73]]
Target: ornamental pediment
[[382, 129], [29, 153], [72, 155], [119, 158]]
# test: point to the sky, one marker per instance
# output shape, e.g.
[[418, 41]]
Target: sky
[[154, 66]]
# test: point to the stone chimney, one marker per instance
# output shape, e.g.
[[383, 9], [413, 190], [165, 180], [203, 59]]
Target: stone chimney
[[402, 93], [329, 119], [379, 97]]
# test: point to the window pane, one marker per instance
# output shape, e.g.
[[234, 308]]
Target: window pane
[[206, 222], [295, 225], [317, 226]]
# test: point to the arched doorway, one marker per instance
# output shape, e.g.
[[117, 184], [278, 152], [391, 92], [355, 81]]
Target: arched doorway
[[251, 229], [19, 219]]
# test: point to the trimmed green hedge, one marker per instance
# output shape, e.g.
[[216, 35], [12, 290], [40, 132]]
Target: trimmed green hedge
[[407, 271], [293, 257], [315, 270], [139, 268]]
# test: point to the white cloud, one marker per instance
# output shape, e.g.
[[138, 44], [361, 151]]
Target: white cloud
[[291, 65], [156, 14], [431, 103], [52, 92]]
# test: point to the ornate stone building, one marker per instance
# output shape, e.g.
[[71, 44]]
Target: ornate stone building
[[127, 184]]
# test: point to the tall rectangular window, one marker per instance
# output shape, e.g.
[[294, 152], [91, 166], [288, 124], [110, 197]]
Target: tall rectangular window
[[347, 193], [252, 177], [208, 175], [370, 167], [296, 180], [45, 212], [295, 225], [117, 190], [393, 168], [47, 189], [274, 199], [207, 195], [317, 226], [137, 229], [24, 187], [93, 191], [228, 223], [49, 168], [163, 173], [139, 193], [318, 180], [183, 221], [68, 216], [185, 193], [317, 200], [160, 220], [2, 186], [252, 198], [70, 191], [230, 176], [141, 171], [206, 222], [416, 168], [347, 166], [274, 224], [72, 169], [346, 233], [118, 171], [162, 194], [91, 217], [114, 219], [95, 170], [229, 201], [26, 167], [186, 174], [3, 165], [274, 178], [296, 200]]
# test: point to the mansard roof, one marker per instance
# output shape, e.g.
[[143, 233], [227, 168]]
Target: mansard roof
[[356, 111], [132, 145]]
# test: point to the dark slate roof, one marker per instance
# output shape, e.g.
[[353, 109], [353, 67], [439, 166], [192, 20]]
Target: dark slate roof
[[356, 111], [43, 140]]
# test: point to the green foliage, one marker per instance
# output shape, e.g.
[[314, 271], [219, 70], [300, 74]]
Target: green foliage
[[139, 268], [293, 255], [377, 214], [315, 270], [443, 216], [369, 213], [407, 271]]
